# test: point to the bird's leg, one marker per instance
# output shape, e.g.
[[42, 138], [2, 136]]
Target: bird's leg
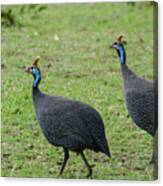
[[155, 149], [152, 159], [87, 164], [66, 157]]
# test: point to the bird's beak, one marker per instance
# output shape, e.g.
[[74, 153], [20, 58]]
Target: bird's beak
[[28, 69]]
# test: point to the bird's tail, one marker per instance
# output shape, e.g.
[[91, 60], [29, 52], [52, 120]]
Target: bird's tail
[[106, 151], [104, 147]]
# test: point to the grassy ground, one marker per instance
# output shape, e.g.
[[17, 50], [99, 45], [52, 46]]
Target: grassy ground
[[73, 41]]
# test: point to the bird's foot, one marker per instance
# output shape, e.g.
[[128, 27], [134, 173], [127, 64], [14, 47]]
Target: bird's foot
[[89, 174]]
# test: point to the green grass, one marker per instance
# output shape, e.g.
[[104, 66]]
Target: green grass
[[81, 66]]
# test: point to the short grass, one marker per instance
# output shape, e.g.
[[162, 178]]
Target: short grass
[[73, 41]]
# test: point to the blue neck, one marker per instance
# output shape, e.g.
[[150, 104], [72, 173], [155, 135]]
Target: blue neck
[[37, 78], [122, 55], [36, 81]]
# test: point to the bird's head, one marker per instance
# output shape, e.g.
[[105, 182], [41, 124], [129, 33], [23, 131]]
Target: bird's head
[[35, 71], [119, 46]]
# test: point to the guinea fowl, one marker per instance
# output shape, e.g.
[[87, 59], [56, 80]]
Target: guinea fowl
[[66, 123], [140, 94]]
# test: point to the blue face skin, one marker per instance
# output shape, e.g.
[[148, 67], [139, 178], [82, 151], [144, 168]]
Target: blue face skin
[[121, 52], [37, 76]]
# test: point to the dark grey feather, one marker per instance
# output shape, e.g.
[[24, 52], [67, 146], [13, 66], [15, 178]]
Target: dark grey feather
[[70, 124], [141, 100]]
